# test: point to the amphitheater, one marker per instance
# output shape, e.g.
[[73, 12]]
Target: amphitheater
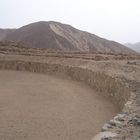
[[63, 98]]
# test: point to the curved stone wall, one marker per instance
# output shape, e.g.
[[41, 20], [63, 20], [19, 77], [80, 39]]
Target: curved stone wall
[[104, 84]]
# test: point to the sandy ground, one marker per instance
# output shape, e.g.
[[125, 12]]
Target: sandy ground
[[44, 107]]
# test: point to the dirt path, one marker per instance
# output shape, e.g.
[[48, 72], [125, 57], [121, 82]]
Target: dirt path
[[43, 107]]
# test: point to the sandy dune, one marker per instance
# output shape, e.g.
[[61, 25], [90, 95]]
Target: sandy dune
[[44, 107]]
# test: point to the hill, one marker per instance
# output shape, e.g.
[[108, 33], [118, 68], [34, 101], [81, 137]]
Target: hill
[[61, 37], [135, 46], [5, 32]]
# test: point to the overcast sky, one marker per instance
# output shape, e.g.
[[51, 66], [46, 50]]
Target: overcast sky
[[117, 20]]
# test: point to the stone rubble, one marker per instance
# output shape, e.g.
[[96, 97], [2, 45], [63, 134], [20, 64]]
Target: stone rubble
[[126, 125], [105, 136]]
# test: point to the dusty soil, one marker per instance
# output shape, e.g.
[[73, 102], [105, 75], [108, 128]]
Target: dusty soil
[[44, 107]]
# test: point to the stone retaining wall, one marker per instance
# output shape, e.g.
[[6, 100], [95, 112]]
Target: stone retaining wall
[[102, 83]]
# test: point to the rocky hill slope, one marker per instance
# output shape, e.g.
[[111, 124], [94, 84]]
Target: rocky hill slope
[[61, 37]]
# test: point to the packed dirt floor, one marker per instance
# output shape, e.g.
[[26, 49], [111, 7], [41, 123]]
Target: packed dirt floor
[[46, 107]]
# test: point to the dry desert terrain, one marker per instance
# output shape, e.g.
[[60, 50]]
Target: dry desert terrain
[[68, 96]]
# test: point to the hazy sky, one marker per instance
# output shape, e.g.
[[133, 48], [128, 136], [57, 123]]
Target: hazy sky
[[117, 20]]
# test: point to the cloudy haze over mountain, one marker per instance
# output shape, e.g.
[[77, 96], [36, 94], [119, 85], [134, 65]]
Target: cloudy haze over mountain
[[115, 20]]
